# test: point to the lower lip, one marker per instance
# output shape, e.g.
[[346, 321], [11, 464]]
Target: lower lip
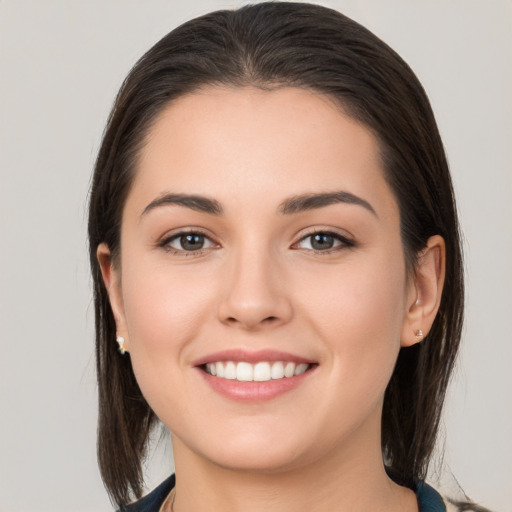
[[254, 391]]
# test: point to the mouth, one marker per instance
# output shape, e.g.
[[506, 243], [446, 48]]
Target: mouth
[[254, 376], [261, 371]]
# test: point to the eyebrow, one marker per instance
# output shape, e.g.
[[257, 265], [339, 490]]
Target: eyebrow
[[290, 206], [198, 203], [312, 201]]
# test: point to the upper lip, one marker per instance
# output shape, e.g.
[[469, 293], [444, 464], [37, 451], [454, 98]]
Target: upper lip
[[243, 355]]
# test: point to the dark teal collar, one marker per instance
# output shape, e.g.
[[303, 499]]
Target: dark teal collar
[[429, 500], [153, 501]]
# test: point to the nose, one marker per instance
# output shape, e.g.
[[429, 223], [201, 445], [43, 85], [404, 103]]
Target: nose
[[254, 295]]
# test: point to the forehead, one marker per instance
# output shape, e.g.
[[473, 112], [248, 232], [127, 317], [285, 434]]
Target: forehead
[[248, 144]]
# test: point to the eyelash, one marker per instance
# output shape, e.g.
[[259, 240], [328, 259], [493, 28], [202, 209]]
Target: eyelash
[[182, 252], [344, 242]]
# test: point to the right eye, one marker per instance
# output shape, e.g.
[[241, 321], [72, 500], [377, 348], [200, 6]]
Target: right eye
[[323, 242], [187, 243]]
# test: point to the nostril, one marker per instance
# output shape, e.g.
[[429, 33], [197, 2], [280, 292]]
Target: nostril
[[267, 320]]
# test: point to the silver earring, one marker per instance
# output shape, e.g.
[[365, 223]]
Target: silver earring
[[120, 342]]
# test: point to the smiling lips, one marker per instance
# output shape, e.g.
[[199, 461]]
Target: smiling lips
[[260, 372], [254, 376]]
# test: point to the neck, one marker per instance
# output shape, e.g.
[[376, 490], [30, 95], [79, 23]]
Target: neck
[[351, 478]]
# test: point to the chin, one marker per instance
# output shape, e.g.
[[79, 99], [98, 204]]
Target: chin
[[254, 451], [257, 459]]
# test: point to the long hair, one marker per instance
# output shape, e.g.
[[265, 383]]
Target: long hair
[[270, 45]]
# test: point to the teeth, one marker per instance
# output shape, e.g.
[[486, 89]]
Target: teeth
[[262, 372], [244, 372], [259, 372], [230, 370], [277, 370], [300, 369], [289, 369]]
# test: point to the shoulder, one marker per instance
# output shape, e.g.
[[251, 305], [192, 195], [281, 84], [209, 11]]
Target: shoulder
[[454, 506], [153, 501], [429, 500]]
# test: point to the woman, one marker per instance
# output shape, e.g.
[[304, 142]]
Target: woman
[[275, 249]]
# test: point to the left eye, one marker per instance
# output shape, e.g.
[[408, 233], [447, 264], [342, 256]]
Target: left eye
[[323, 241], [189, 242]]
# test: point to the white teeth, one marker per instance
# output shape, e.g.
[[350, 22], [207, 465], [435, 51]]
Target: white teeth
[[244, 372], [289, 369], [300, 369], [219, 368], [230, 370], [277, 370], [259, 372], [262, 372]]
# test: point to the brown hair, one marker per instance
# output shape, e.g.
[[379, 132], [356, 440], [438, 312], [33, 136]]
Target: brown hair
[[270, 45]]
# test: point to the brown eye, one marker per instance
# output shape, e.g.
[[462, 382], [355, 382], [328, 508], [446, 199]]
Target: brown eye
[[323, 241], [187, 242], [191, 242]]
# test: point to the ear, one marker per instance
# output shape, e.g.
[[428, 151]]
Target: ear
[[112, 280], [424, 291]]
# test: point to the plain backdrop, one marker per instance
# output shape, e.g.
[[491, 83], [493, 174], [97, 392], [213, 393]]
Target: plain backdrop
[[61, 65]]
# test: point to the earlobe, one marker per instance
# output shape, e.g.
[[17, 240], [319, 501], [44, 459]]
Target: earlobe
[[112, 281], [425, 291]]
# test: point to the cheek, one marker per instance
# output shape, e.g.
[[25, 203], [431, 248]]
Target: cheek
[[366, 291], [358, 311], [165, 309]]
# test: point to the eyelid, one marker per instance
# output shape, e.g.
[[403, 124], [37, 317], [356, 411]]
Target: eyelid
[[346, 241], [176, 234]]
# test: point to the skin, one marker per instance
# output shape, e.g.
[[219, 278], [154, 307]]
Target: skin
[[259, 284]]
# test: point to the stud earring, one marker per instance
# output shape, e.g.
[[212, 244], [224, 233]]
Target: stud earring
[[419, 334], [120, 342]]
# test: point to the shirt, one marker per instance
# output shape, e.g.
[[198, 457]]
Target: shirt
[[429, 500]]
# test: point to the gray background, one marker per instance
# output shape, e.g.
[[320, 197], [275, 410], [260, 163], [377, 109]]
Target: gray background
[[61, 65]]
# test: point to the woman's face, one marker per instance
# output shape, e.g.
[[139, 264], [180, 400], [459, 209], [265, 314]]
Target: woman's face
[[260, 240]]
